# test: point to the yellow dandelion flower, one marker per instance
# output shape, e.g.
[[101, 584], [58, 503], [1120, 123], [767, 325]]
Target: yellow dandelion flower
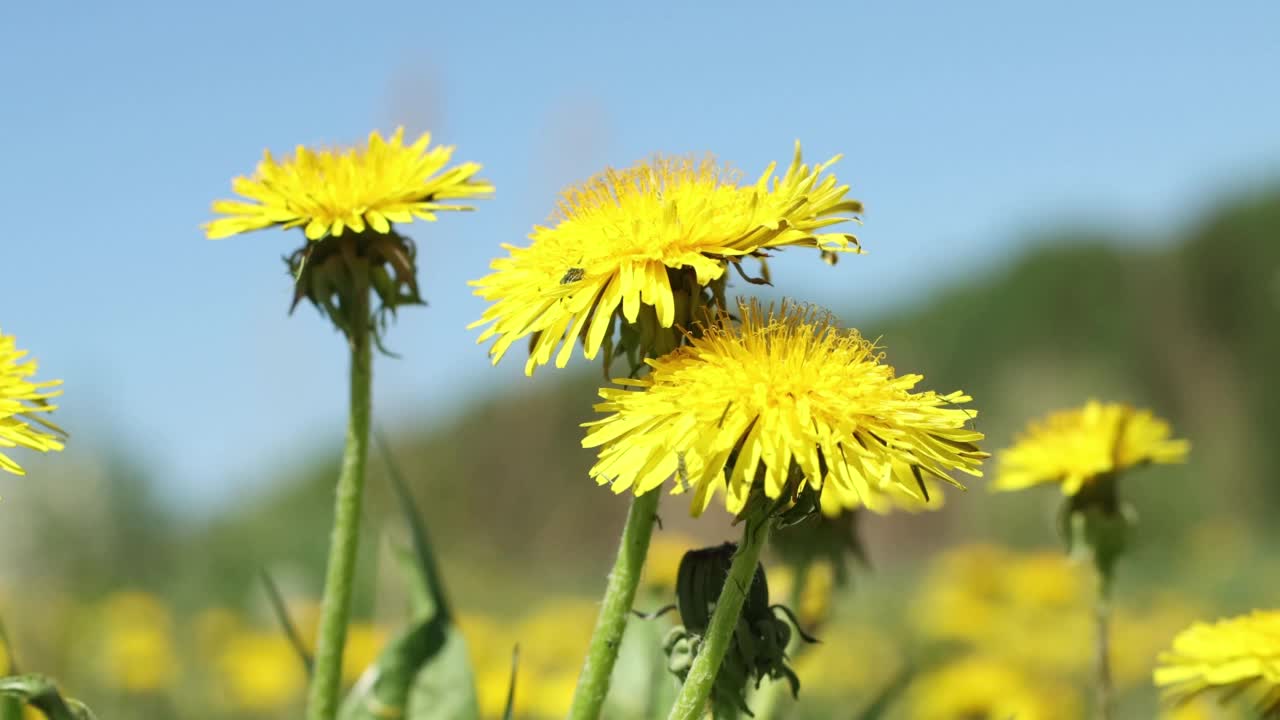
[[787, 400], [330, 191], [346, 201], [1072, 447], [1236, 655], [982, 688], [651, 237], [23, 403]]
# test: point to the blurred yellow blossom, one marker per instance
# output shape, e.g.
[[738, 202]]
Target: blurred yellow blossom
[[851, 660], [137, 649], [260, 671], [1031, 608], [552, 640], [662, 564], [489, 646], [1239, 655], [983, 688], [815, 598], [1141, 630], [364, 642], [1071, 447]]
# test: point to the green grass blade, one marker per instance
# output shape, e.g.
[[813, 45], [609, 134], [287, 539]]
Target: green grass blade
[[286, 623]]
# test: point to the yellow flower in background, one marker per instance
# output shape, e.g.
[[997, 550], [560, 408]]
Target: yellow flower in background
[[489, 646], [981, 688], [1071, 447], [785, 389], [260, 671], [662, 564], [1141, 630], [364, 642], [1239, 655], [137, 652], [853, 660], [814, 606], [1029, 608], [552, 640], [330, 191], [620, 236], [23, 405]]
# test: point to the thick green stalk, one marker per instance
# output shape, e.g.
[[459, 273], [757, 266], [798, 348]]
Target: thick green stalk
[[692, 701], [335, 611], [593, 683]]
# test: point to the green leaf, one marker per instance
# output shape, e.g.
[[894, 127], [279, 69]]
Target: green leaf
[[425, 673], [10, 708], [41, 693], [428, 575]]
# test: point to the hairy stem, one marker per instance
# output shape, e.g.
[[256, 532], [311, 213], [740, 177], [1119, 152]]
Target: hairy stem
[[692, 701], [593, 683], [335, 611]]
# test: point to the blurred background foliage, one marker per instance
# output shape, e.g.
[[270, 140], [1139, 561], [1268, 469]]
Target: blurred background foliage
[[135, 607]]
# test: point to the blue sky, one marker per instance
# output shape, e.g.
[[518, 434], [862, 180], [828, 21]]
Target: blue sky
[[965, 129]]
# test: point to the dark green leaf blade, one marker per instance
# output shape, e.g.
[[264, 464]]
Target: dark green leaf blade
[[42, 693]]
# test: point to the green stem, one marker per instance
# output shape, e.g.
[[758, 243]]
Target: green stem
[[335, 611], [1102, 646], [692, 701], [619, 595]]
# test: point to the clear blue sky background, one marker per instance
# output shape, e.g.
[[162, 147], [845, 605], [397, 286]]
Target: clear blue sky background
[[966, 128]]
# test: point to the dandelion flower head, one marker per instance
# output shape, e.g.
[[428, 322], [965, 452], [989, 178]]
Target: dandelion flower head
[[782, 401], [1072, 447], [651, 237], [1236, 655], [24, 403], [330, 191]]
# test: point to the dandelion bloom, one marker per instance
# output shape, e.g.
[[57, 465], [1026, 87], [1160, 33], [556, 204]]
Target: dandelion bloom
[[785, 401], [23, 403], [330, 191], [651, 237], [1240, 654], [1072, 447]]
